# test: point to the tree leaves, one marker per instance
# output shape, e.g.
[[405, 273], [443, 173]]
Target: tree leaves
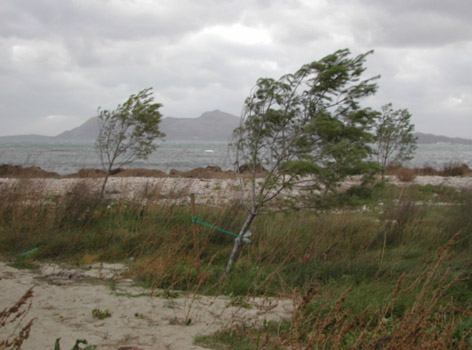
[[128, 132], [394, 136], [307, 124]]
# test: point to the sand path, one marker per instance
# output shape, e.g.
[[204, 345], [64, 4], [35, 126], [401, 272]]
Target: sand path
[[64, 298]]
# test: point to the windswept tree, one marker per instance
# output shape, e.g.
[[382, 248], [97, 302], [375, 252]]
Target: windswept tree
[[394, 136], [308, 131], [128, 133]]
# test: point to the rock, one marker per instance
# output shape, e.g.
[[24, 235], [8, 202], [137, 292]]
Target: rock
[[18, 171]]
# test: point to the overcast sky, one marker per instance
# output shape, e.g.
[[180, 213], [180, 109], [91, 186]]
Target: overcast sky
[[62, 59]]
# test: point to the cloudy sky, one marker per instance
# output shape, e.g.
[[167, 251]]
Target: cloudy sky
[[62, 59]]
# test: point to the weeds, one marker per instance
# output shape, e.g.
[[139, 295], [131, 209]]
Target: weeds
[[362, 244], [101, 314], [455, 169], [450, 169], [13, 333], [429, 321]]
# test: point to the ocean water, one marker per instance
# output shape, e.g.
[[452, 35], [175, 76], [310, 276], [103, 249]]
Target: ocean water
[[66, 158]]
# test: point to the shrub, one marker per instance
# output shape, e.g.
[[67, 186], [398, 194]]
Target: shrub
[[405, 174], [454, 169]]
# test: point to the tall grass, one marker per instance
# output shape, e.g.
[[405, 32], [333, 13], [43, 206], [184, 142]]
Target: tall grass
[[417, 312], [373, 252]]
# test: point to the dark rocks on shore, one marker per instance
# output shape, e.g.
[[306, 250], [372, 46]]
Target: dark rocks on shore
[[245, 169], [18, 171], [210, 172], [85, 173], [94, 173]]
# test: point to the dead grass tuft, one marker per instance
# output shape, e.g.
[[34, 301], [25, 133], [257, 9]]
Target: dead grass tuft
[[13, 334]]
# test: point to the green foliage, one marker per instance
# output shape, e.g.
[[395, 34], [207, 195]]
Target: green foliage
[[308, 123], [24, 263], [309, 131], [101, 314], [128, 132], [394, 136], [239, 301]]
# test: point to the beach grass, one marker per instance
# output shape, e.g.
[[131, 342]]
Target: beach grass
[[363, 272]]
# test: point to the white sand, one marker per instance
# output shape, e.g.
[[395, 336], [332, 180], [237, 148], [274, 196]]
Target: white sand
[[211, 191], [207, 191], [64, 298]]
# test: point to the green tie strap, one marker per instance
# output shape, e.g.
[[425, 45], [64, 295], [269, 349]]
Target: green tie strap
[[195, 219], [244, 237]]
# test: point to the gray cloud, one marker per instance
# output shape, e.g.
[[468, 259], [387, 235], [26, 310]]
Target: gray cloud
[[415, 24], [60, 60]]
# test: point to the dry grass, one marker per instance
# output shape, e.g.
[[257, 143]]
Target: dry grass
[[427, 324], [12, 331], [432, 321], [408, 174], [310, 257]]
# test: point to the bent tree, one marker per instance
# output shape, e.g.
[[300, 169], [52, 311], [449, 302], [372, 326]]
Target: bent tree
[[128, 132], [308, 131], [394, 136]]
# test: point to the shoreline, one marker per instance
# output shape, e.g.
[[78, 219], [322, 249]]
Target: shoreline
[[33, 172], [211, 172], [211, 185], [162, 190]]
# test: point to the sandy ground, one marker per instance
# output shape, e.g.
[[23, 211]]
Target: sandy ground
[[64, 298]]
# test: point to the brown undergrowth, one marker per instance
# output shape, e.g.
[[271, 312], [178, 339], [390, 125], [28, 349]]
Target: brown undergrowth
[[405, 174]]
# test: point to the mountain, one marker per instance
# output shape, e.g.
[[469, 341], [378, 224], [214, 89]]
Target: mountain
[[210, 126], [87, 131], [430, 138]]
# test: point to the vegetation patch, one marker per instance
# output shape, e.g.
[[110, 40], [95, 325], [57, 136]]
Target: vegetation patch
[[374, 263]]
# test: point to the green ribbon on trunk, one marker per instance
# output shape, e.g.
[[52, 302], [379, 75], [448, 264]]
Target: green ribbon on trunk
[[195, 219]]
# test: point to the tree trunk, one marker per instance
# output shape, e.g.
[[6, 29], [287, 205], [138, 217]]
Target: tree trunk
[[102, 191], [238, 243]]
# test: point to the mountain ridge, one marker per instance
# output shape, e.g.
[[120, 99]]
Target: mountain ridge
[[423, 138], [209, 126]]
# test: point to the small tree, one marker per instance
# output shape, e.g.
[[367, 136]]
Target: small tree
[[128, 132], [308, 131], [394, 137]]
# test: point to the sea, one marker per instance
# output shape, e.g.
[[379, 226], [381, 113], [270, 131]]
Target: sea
[[67, 157]]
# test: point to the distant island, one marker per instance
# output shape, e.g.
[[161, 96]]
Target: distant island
[[430, 138], [210, 126]]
